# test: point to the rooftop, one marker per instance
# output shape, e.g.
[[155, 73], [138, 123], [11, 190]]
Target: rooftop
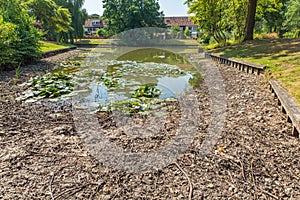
[[180, 21]]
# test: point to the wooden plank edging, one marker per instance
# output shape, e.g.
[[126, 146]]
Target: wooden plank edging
[[241, 65], [288, 105], [55, 52]]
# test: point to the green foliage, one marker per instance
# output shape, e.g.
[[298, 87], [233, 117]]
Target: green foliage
[[187, 32], [216, 18], [111, 82], [129, 14], [127, 106], [17, 74], [94, 16], [55, 19], [226, 19], [292, 15], [50, 46], [148, 91], [48, 86], [271, 14], [263, 36], [61, 20], [174, 30], [19, 39], [102, 32]]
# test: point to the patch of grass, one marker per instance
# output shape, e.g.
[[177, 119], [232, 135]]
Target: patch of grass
[[180, 42], [280, 56], [171, 42], [95, 41], [17, 74], [50, 46]]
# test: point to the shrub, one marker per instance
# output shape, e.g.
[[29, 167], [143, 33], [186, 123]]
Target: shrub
[[266, 36], [187, 32], [19, 39]]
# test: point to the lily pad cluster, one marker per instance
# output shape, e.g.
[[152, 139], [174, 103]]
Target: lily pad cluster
[[148, 91], [142, 105], [111, 82], [48, 86], [126, 106], [150, 68]]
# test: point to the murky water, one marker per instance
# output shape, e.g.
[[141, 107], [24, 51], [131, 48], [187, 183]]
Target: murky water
[[103, 76], [103, 80]]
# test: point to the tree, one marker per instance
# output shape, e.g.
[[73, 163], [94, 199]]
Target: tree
[[55, 19], [174, 30], [122, 15], [270, 15], [78, 16], [250, 22], [101, 32], [292, 15], [187, 32], [94, 16], [19, 39], [212, 17]]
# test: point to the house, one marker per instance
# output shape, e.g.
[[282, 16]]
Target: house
[[183, 22], [92, 25]]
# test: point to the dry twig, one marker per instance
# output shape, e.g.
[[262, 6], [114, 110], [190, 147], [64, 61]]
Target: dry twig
[[189, 181]]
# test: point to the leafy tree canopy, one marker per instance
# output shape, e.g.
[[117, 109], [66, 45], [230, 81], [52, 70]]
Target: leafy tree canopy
[[19, 39], [94, 16], [122, 15], [293, 17], [230, 19], [55, 19]]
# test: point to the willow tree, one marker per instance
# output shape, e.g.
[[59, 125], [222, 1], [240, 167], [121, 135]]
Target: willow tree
[[78, 16], [55, 19]]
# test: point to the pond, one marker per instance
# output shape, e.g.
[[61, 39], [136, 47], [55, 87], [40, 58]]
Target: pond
[[131, 81]]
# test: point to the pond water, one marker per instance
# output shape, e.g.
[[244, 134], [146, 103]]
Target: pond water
[[103, 77], [105, 81]]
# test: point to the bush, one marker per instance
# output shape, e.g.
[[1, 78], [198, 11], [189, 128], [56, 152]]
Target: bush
[[19, 39], [101, 32], [266, 36], [8, 37], [187, 32]]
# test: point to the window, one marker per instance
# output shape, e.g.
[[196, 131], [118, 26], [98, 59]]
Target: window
[[168, 21], [95, 22]]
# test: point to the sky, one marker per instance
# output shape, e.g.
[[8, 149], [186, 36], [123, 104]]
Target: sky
[[170, 7]]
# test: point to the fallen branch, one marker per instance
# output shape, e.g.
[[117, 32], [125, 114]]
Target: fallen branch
[[189, 181], [51, 182]]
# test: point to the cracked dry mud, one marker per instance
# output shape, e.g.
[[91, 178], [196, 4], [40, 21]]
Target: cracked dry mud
[[43, 157]]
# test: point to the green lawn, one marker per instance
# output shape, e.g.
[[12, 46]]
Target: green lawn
[[50, 46], [170, 42], [280, 56], [94, 41]]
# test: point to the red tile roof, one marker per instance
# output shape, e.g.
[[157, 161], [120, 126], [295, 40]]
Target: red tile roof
[[93, 22], [180, 21]]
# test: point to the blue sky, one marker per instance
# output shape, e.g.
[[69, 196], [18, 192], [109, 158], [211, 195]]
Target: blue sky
[[170, 7]]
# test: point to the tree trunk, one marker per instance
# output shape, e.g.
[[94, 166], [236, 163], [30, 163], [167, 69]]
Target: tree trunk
[[250, 20]]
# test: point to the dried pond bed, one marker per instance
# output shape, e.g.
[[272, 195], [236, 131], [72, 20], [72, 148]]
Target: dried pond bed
[[42, 156]]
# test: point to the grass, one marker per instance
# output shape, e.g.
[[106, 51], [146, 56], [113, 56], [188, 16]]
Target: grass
[[50, 46], [170, 42], [280, 56], [94, 41]]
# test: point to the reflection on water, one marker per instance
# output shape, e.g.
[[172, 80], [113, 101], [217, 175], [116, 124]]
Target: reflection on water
[[103, 80]]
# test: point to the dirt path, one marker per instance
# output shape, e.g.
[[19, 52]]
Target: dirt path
[[42, 156]]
